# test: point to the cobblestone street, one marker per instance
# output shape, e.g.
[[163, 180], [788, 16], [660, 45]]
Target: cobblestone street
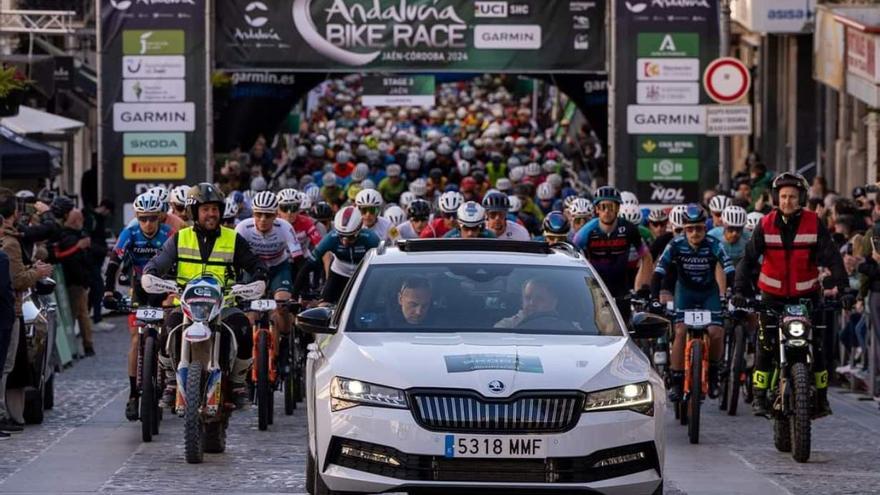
[[86, 446]]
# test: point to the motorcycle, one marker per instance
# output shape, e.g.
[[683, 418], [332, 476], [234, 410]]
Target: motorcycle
[[203, 381], [39, 309]]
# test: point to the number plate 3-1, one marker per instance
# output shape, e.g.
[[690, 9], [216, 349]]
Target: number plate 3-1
[[500, 447]]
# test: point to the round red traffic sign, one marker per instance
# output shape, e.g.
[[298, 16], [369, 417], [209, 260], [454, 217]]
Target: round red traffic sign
[[727, 80]]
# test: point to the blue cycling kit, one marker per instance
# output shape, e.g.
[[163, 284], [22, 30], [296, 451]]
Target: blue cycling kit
[[133, 245], [345, 258], [695, 269]]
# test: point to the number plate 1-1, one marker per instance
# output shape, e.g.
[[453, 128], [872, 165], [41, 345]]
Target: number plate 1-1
[[496, 446], [697, 318]]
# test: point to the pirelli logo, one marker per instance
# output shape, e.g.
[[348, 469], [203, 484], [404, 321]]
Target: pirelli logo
[[154, 167]]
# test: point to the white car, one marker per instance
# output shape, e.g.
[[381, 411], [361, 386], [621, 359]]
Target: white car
[[454, 365]]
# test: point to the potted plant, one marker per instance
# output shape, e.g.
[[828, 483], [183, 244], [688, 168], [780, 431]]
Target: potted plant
[[13, 87]]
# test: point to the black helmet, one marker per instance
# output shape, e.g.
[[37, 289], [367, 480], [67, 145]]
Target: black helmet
[[694, 214], [61, 206], [419, 210], [790, 179], [607, 193], [555, 223], [496, 201], [202, 194], [322, 211]]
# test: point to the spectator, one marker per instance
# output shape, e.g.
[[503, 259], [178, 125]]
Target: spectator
[[761, 180], [96, 226], [7, 316], [819, 188], [72, 251]]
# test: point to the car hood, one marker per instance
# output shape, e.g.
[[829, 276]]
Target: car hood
[[474, 360]]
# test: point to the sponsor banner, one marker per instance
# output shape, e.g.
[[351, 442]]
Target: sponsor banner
[[63, 72], [829, 67], [668, 169], [412, 35], [668, 193], [668, 93], [729, 120], [862, 54], [154, 143], [154, 167], [398, 91], [672, 69], [669, 146], [154, 117], [649, 119], [153, 42], [777, 16], [153, 90], [154, 67], [677, 45]]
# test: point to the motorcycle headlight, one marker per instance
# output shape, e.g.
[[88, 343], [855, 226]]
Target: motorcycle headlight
[[797, 329], [637, 397], [346, 393]]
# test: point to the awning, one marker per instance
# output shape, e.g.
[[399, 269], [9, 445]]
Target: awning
[[23, 158], [32, 121]]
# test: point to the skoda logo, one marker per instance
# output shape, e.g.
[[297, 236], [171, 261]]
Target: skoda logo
[[496, 386], [255, 21]]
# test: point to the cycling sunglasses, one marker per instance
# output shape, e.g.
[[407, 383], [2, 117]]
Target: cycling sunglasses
[[690, 229], [289, 208], [148, 218], [419, 219], [737, 230], [605, 206], [368, 209], [658, 224]]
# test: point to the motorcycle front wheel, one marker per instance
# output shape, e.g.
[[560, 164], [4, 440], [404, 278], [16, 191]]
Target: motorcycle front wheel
[[802, 407], [194, 426]]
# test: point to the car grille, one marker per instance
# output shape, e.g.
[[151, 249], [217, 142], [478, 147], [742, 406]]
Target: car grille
[[468, 411]]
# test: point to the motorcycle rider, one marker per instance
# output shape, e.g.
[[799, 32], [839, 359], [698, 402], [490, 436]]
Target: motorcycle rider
[[219, 251], [794, 243]]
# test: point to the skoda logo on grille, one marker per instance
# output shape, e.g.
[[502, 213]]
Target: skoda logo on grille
[[496, 386]]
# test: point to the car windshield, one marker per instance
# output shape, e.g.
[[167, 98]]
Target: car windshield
[[481, 298]]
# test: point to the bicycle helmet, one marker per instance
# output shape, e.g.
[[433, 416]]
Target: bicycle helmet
[[314, 193], [545, 191], [178, 195], [393, 170], [628, 198], [360, 172], [513, 162], [329, 179], [718, 203], [450, 201], [413, 164], [734, 216], [162, 194], [555, 180], [567, 201], [496, 201], [753, 219], [503, 184], [581, 208], [464, 167], [658, 215], [322, 211], [418, 188], [395, 215], [265, 202], [607, 193], [343, 157], [533, 169], [230, 208], [471, 214], [516, 173], [555, 223], [468, 152], [368, 197], [419, 210], [61, 206], [406, 198], [694, 214], [515, 203], [289, 197], [348, 221], [147, 203], [631, 213], [676, 216]]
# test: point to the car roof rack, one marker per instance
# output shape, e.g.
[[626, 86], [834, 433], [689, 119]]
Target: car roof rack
[[497, 245]]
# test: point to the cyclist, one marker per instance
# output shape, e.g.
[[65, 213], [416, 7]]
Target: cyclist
[[419, 213], [731, 235], [290, 209], [556, 228], [497, 205], [633, 214], [322, 214], [752, 221], [450, 201], [694, 257], [178, 203], [134, 248], [392, 186], [230, 212], [580, 211], [658, 222], [369, 202], [606, 242], [348, 243], [794, 242], [716, 206], [275, 241], [471, 223], [175, 222]]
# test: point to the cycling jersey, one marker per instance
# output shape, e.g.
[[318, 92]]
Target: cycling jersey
[[380, 228], [135, 247], [403, 231], [345, 258], [277, 246], [456, 234], [695, 267], [515, 232], [306, 233], [609, 252], [735, 251], [437, 228]]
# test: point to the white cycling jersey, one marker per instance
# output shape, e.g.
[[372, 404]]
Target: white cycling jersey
[[515, 232], [381, 228], [404, 231], [277, 246]]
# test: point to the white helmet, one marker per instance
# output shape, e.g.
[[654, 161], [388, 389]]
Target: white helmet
[[658, 215], [581, 208], [368, 197], [631, 213], [230, 208], [555, 180], [314, 193], [753, 219], [348, 221], [360, 172], [329, 179], [677, 216], [178, 195], [395, 215], [718, 203], [471, 214], [533, 169], [464, 167], [515, 203], [406, 198], [418, 187], [545, 191], [148, 203], [160, 193], [734, 216], [450, 201], [289, 197], [503, 184], [368, 184], [305, 202], [516, 174], [393, 170], [265, 202], [628, 198]]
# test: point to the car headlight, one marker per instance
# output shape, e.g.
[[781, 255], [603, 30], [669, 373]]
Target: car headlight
[[796, 329], [637, 397], [346, 393]]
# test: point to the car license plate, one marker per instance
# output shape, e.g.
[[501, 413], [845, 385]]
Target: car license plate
[[495, 446]]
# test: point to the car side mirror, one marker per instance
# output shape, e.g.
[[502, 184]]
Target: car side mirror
[[316, 320], [649, 326]]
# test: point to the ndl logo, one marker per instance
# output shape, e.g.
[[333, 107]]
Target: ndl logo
[[255, 18], [667, 194]]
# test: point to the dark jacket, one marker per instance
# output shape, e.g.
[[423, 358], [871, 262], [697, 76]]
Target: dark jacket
[[7, 296], [75, 261]]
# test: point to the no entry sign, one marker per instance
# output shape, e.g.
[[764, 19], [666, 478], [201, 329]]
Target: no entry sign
[[727, 80]]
